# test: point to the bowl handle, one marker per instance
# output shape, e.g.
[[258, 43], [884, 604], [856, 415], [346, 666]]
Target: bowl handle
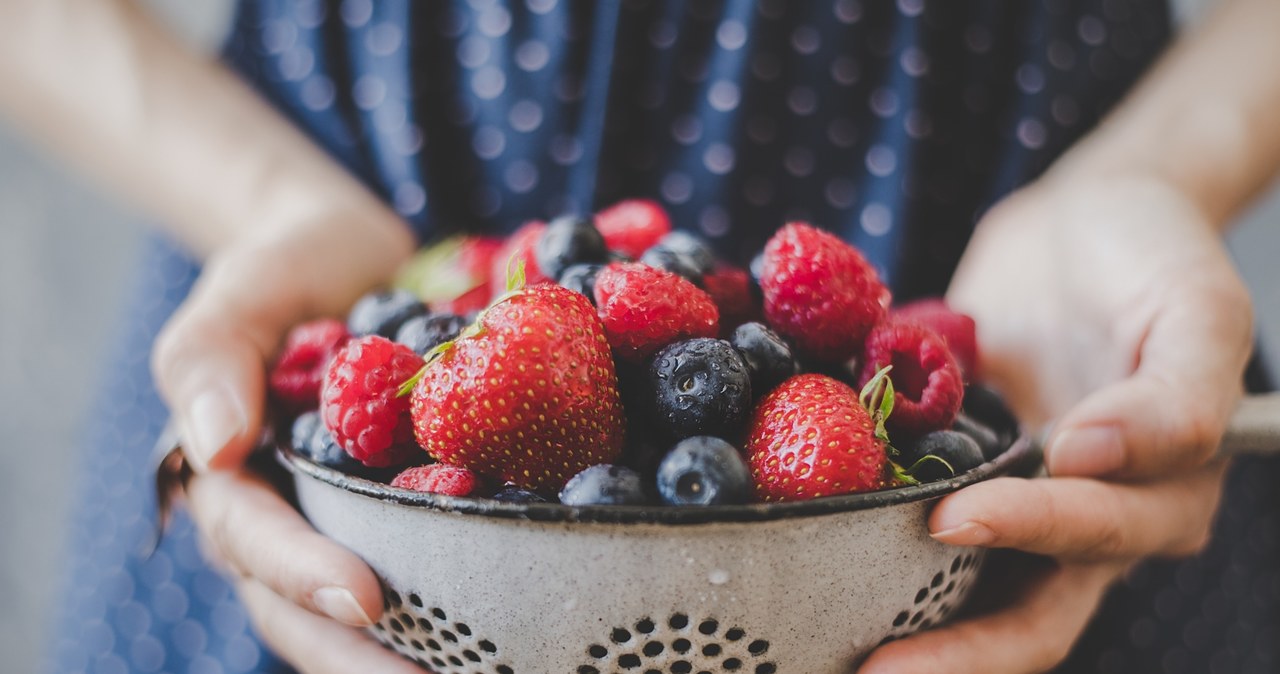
[[1254, 427]]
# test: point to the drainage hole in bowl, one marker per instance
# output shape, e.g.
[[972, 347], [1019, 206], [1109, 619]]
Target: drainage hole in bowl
[[426, 635], [678, 645], [933, 603]]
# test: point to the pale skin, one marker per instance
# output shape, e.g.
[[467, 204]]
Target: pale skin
[[1105, 301]]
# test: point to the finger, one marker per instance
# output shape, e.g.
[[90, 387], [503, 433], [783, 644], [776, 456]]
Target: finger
[[209, 361], [261, 536], [1171, 413], [1033, 634], [1082, 518], [313, 644]]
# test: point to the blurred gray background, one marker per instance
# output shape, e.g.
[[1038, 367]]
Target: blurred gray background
[[66, 254]]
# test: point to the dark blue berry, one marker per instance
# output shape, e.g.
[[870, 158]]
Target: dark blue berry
[[322, 449], [756, 269], [511, 494], [957, 449], [581, 278], [424, 333], [604, 484], [302, 430], [383, 312], [692, 247], [680, 265], [681, 253], [986, 406], [569, 240], [699, 387], [987, 439], [704, 471], [767, 355]]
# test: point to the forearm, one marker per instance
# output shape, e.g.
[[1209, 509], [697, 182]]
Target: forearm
[[175, 133], [1203, 121]]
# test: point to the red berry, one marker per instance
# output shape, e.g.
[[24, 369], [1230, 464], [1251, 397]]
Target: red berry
[[730, 288], [473, 300], [633, 225], [359, 404], [644, 309], [296, 377], [531, 398], [926, 380], [810, 437], [518, 248], [956, 328], [820, 292], [438, 478]]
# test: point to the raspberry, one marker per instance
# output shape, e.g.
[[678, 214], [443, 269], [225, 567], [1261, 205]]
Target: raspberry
[[519, 248], [632, 226], [925, 376], [296, 377], [438, 478], [820, 292], [359, 404], [644, 309], [957, 329], [730, 288]]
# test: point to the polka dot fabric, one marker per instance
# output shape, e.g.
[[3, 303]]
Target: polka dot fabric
[[891, 123]]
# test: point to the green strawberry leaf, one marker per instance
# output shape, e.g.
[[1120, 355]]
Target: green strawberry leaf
[[515, 277], [902, 475], [929, 457], [872, 387], [432, 273]]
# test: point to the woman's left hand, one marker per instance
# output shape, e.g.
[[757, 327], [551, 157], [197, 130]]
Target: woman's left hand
[[1110, 309]]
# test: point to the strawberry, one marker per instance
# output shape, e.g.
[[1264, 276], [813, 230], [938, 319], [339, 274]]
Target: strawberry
[[518, 250], [644, 309], [956, 328], [528, 395], [812, 437], [453, 276], [820, 292], [632, 226]]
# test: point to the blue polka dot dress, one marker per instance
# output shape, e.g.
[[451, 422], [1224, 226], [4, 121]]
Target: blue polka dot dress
[[893, 124]]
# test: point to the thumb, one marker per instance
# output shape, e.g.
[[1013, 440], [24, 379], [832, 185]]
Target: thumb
[[1169, 415], [209, 361]]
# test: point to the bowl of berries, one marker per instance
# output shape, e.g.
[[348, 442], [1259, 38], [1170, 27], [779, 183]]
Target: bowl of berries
[[628, 455]]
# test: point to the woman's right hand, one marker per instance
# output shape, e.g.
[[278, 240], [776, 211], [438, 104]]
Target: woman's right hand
[[306, 594]]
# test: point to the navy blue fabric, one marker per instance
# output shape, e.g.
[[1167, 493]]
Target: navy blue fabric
[[893, 124]]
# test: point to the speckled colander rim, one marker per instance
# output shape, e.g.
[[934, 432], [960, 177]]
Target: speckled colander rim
[[1022, 457]]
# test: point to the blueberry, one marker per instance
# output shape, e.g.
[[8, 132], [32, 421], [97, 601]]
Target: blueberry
[[699, 387], [986, 406], [756, 269], [383, 312], [986, 438], [425, 332], [513, 494], [957, 449], [662, 258], [581, 278], [302, 430], [768, 356], [321, 448], [691, 246], [568, 240], [704, 471], [681, 253], [604, 484]]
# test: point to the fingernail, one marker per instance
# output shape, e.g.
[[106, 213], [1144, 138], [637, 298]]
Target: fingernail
[[967, 533], [213, 418], [339, 604], [1093, 450]]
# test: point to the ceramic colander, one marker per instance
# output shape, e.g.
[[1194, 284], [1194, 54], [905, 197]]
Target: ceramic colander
[[479, 586]]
